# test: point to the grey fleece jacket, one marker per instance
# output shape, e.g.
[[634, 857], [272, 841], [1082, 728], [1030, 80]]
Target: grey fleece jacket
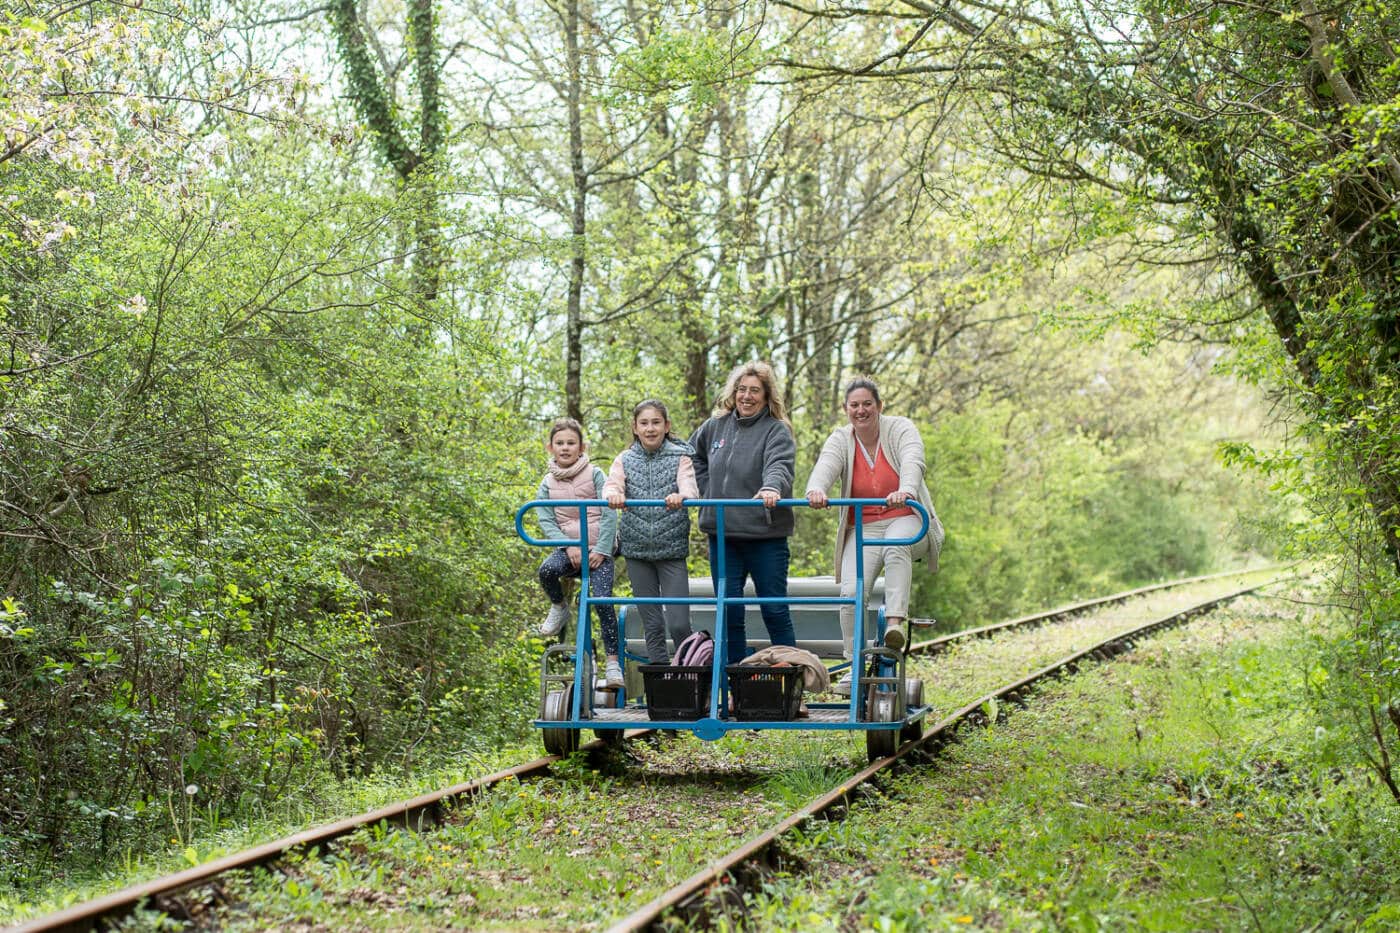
[[737, 457]]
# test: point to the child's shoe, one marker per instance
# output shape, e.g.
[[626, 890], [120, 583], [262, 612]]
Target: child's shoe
[[842, 687], [554, 621], [612, 675]]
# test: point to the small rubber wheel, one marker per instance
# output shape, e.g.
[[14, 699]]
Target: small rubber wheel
[[913, 697], [557, 705], [608, 699], [880, 743]]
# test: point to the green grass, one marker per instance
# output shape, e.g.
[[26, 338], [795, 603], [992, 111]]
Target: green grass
[[1178, 789], [596, 840], [288, 815]]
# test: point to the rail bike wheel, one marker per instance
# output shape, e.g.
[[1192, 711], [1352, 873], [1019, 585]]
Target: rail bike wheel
[[913, 696], [557, 705], [608, 699], [880, 707]]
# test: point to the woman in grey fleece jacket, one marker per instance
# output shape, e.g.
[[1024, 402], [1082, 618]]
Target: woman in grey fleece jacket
[[746, 450]]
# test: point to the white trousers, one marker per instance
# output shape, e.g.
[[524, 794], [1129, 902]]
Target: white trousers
[[895, 561]]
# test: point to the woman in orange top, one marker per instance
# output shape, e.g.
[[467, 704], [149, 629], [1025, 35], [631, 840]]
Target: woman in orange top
[[876, 456]]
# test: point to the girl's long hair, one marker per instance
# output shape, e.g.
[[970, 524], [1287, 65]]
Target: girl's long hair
[[764, 372]]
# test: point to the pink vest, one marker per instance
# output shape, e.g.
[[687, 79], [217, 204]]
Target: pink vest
[[579, 487]]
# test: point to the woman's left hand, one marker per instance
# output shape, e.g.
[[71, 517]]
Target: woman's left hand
[[896, 498], [770, 497]]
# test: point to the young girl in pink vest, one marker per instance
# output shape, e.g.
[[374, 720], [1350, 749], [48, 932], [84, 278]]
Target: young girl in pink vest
[[572, 476]]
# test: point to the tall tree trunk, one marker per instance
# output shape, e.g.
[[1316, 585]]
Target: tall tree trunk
[[372, 95], [573, 340], [427, 256]]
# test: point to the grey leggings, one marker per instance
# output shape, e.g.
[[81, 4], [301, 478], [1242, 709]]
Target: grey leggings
[[661, 578]]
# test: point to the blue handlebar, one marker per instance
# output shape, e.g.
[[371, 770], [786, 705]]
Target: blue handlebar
[[696, 503]]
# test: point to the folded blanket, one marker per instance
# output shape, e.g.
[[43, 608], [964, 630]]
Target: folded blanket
[[815, 676]]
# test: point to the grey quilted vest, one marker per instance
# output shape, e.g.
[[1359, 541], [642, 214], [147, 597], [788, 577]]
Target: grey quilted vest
[[651, 532]]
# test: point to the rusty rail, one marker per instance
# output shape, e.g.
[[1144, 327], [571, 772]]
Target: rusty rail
[[718, 882], [426, 810]]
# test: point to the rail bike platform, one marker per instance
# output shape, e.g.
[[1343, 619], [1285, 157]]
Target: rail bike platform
[[884, 704]]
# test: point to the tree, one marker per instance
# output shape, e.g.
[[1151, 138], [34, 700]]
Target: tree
[[373, 91], [1258, 143]]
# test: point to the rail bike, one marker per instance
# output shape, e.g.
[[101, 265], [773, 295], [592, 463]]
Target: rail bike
[[714, 699]]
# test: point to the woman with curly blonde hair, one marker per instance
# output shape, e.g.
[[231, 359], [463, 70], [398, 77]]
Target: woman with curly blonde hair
[[746, 450]]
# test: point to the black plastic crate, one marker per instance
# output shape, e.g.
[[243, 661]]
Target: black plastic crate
[[762, 693], [677, 692]]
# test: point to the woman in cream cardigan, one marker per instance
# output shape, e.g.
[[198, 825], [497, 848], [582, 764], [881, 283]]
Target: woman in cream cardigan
[[876, 456]]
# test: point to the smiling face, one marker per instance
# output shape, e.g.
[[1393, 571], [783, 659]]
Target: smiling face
[[749, 396], [651, 428], [862, 409], [565, 447]]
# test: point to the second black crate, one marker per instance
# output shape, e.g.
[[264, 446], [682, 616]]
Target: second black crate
[[762, 693]]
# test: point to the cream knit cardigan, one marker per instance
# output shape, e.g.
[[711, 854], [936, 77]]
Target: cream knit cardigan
[[904, 450]]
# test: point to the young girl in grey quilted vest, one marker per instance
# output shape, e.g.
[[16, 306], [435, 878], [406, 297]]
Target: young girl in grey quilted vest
[[655, 540]]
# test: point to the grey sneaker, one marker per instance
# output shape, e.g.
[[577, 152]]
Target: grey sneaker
[[554, 621], [612, 674], [894, 636], [842, 687]]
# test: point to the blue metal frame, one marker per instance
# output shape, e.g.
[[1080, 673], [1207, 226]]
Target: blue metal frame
[[715, 726]]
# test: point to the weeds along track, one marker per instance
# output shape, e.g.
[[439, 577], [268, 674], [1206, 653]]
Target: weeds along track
[[721, 885], [578, 843]]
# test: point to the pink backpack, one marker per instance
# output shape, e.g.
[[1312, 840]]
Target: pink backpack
[[697, 650]]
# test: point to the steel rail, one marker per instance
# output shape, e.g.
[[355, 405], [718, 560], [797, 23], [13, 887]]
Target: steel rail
[[935, 645], [417, 813], [691, 897], [427, 809]]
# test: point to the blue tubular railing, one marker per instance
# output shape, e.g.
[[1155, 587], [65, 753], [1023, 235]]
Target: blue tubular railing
[[583, 636]]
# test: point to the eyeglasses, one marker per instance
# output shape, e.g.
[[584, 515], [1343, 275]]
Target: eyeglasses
[[748, 390]]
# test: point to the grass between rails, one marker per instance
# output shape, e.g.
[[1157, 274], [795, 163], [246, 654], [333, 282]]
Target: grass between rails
[[585, 846], [782, 768], [569, 851], [972, 668], [1178, 788]]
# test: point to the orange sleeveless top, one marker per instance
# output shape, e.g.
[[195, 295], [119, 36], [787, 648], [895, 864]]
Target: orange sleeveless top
[[874, 482]]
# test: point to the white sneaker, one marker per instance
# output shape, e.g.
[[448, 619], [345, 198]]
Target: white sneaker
[[554, 620], [842, 687], [612, 674], [894, 636]]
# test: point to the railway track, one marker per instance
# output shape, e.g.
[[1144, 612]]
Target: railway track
[[191, 894], [723, 882]]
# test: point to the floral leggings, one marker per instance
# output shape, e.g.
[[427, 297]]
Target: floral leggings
[[600, 583]]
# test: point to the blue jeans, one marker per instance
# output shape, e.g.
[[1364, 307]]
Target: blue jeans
[[766, 561]]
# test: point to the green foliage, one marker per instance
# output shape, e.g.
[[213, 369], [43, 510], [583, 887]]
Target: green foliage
[[266, 414], [254, 524]]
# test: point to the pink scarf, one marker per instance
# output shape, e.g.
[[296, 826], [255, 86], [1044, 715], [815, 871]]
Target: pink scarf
[[563, 473]]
